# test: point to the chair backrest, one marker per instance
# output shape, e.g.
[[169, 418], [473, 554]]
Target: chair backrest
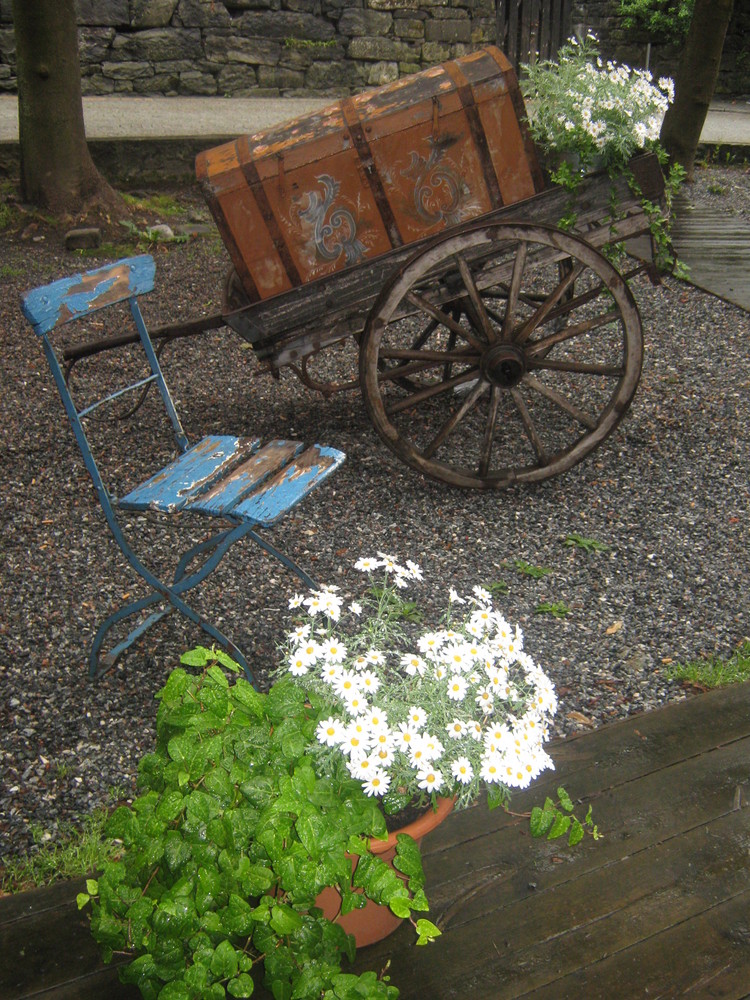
[[73, 299]]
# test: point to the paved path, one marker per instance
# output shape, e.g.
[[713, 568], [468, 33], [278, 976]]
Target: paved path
[[216, 118]]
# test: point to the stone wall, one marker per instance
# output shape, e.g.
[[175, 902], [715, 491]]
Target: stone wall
[[327, 47], [261, 47], [631, 46]]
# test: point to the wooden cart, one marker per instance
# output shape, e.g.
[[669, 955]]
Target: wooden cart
[[414, 222]]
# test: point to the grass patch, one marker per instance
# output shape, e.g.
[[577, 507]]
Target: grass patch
[[714, 672], [526, 569], [558, 609], [77, 851], [160, 204], [588, 544]]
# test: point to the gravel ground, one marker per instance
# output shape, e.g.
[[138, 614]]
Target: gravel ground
[[668, 493]]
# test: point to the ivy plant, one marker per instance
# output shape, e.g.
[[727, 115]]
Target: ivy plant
[[230, 841]]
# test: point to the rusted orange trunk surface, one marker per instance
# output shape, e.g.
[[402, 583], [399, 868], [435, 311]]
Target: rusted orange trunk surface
[[393, 165]]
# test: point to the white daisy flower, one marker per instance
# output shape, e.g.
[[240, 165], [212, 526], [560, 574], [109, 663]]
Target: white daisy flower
[[405, 735], [331, 673], [413, 664], [369, 681], [457, 687], [355, 704], [462, 770], [415, 570], [347, 683], [430, 779], [295, 601], [492, 769], [456, 729], [377, 783], [355, 608], [367, 564], [333, 651], [329, 731], [299, 634], [454, 597], [484, 699], [375, 656], [298, 665], [417, 716], [376, 719]]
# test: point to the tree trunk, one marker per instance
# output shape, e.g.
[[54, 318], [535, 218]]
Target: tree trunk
[[57, 172], [696, 81]]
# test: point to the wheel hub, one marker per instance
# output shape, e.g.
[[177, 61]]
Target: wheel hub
[[504, 365]]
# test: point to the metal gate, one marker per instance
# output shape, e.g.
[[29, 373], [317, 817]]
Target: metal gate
[[528, 30]]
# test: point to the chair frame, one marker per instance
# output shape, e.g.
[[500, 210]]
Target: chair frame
[[69, 300]]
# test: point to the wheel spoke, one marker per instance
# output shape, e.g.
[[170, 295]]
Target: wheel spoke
[[548, 305], [444, 319], [489, 431], [515, 287], [568, 332], [479, 314], [528, 426], [455, 419], [434, 390], [578, 367], [557, 397]]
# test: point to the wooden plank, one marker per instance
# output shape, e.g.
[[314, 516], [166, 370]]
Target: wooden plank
[[705, 956], [557, 935], [289, 486], [193, 471], [248, 476], [45, 941], [618, 754], [683, 816]]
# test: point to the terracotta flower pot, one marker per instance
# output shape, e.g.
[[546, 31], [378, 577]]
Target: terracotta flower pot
[[374, 922]]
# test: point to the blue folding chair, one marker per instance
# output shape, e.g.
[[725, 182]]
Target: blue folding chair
[[231, 478]]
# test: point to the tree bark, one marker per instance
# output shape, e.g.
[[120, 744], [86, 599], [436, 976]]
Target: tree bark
[[696, 81], [57, 172]]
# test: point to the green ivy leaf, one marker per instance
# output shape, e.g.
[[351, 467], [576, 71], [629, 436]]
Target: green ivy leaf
[[82, 899], [197, 657], [559, 827], [426, 931], [400, 906], [565, 800], [541, 821], [225, 961], [240, 986], [408, 860], [285, 920], [576, 833], [175, 990]]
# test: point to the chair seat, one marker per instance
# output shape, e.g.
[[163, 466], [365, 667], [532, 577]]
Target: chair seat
[[227, 476], [191, 473]]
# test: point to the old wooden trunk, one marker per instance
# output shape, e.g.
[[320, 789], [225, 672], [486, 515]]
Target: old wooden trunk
[[386, 168]]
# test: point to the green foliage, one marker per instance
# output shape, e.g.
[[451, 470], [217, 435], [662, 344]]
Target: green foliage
[[537, 572], [662, 20], [714, 671], [554, 820], [161, 204], [229, 843], [558, 609], [77, 850], [588, 544]]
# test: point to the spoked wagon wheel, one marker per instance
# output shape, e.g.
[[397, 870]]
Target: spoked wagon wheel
[[502, 354]]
